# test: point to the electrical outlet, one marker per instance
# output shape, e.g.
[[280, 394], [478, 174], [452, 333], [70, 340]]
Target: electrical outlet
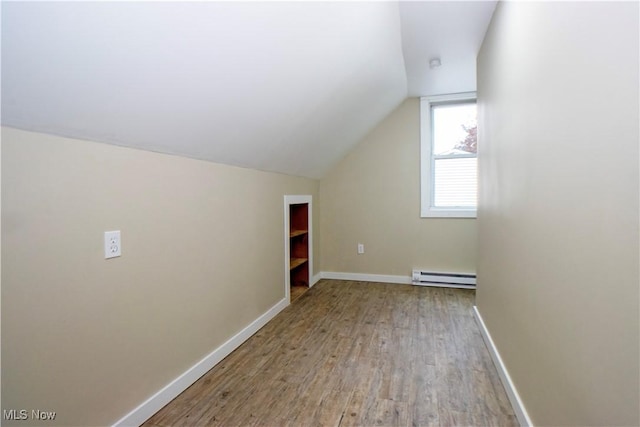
[[360, 248], [112, 244]]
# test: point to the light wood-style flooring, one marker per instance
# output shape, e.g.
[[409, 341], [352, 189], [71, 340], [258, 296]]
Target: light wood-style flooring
[[297, 292], [354, 354]]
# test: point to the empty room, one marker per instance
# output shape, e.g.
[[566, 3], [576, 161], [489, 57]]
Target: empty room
[[310, 213]]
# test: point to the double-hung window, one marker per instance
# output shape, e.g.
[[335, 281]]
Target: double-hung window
[[449, 164]]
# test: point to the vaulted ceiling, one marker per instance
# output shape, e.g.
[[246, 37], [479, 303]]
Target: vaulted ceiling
[[287, 87]]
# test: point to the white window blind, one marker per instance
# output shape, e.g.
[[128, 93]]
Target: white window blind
[[455, 182]]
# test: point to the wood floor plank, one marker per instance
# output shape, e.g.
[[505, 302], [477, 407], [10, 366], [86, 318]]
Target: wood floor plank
[[331, 407], [354, 354], [366, 391], [423, 399], [387, 413]]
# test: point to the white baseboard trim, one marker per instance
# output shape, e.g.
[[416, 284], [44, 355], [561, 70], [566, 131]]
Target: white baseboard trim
[[445, 285], [384, 278], [152, 405], [361, 277], [510, 388], [315, 279]]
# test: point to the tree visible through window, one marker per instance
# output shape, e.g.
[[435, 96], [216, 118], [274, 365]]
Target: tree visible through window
[[470, 142]]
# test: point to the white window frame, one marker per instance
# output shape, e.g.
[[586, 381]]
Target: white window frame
[[427, 210]]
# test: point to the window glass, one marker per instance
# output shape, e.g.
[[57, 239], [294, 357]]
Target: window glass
[[449, 166], [455, 146], [454, 129]]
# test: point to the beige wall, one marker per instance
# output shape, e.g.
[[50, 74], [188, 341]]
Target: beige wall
[[373, 197], [202, 257], [0, 269], [558, 219]]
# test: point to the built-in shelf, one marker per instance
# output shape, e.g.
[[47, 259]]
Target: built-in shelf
[[295, 233], [299, 244], [296, 262]]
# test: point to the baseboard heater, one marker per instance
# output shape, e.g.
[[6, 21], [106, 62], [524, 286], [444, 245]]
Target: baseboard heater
[[446, 280]]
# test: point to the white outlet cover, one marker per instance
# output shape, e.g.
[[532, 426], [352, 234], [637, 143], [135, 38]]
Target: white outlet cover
[[360, 248], [112, 244]]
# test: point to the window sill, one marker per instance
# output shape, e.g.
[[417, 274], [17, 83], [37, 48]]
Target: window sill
[[449, 213]]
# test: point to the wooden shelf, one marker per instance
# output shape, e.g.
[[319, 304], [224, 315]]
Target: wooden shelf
[[299, 244], [295, 233], [296, 262]]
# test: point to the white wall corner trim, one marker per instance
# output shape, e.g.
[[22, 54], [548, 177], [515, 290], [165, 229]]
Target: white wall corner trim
[[315, 279], [510, 388], [152, 405], [362, 277]]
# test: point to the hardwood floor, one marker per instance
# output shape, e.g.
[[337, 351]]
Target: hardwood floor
[[354, 354], [297, 292]]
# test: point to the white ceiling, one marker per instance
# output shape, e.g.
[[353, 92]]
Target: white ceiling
[[450, 30], [280, 86]]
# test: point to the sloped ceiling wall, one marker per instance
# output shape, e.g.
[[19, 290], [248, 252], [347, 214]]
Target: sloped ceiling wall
[[285, 87]]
